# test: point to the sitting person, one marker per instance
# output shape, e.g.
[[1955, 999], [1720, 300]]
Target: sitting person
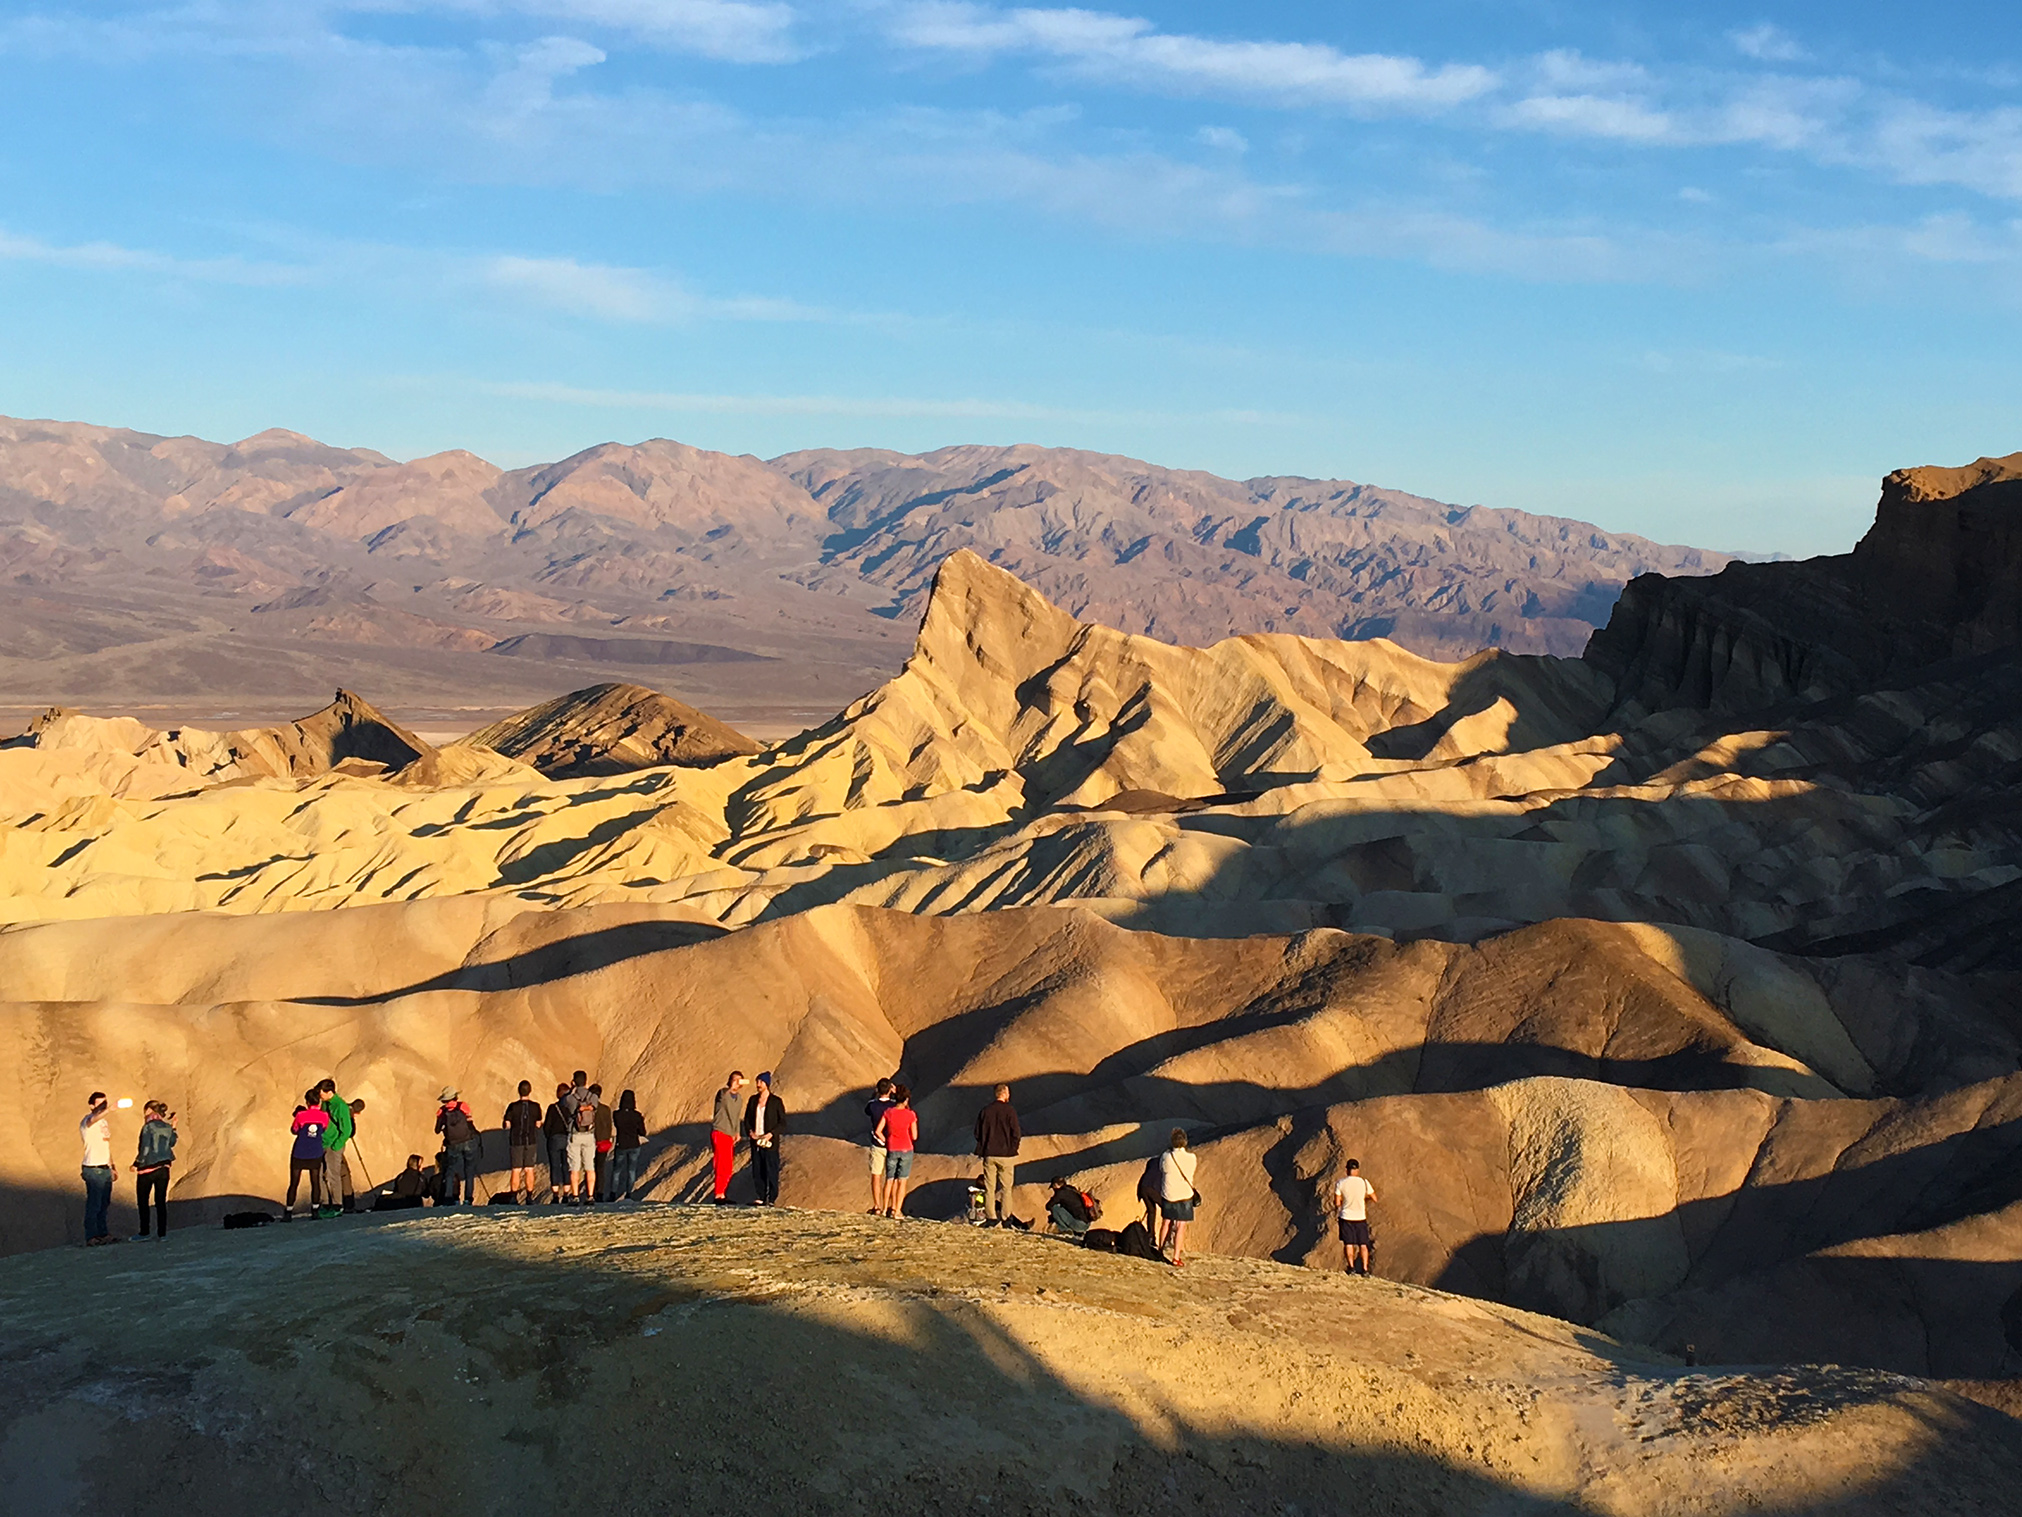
[[408, 1187], [1073, 1211]]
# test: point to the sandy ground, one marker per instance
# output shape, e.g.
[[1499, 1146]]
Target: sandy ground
[[680, 1359]]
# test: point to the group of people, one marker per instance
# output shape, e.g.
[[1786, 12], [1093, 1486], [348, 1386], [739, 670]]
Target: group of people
[[759, 1121], [584, 1148], [154, 1155], [323, 1128], [592, 1151]]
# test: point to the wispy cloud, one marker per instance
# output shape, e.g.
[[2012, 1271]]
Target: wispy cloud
[[110, 257], [1767, 44], [1130, 50], [627, 295], [734, 31], [932, 408]]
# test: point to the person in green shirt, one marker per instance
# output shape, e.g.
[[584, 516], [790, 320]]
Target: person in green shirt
[[337, 1186]]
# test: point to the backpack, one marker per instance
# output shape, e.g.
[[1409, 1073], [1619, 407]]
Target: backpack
[[1101, 1239], [586, 1115], [1134, 1242], [238, 1219], [1094, 1207], [456, 1126]]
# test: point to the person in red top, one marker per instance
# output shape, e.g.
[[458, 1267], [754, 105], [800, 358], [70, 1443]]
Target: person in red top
[[898, 1129]]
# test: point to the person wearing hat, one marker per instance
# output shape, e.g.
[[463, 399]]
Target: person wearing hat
[[462, 1147], [764, 1126]]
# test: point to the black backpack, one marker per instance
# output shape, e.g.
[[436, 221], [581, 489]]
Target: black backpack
[[1101, 1239], [247, 1219], [1135, 1242], [456, 1126]]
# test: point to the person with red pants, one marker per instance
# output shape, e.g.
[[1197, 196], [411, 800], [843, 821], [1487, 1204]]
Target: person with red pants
[[724, 1130]]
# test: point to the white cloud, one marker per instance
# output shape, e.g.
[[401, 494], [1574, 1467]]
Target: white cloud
[[734, 31], [527, 84], [1223, 139], [628, 295], [1130, 50], [1594, 116], [1564, 70], [111, 258], [1767, 43], [1980, 151]]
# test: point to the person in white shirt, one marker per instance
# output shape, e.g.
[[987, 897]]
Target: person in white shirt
[[1176, 1194], [99, 1173], [1352, 1195]]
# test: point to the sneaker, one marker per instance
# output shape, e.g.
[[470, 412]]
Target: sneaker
[[140, 1237]]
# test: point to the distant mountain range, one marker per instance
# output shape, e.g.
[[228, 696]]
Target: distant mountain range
[[173, 570]]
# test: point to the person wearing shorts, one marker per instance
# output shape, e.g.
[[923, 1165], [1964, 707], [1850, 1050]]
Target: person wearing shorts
[[523, 1141], [879, 1103], [898, 1130], [581, 1106], [1352, 1195]]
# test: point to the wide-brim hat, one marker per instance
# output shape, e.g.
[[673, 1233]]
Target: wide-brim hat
[[448, 1093]]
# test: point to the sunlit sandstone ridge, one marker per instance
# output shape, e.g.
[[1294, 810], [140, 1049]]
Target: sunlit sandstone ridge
[[1671, 1007]]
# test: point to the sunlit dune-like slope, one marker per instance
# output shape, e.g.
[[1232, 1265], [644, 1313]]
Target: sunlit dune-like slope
[[1021, 757]]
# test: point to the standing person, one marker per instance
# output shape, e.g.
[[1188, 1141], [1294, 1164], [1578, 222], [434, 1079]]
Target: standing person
[[95, 1129], [606, 1133], [879, 1103], [628, 1123], [898, 1130], [723, 1132], [997, 1140], [337, 1187], [876, 1107], [311, 1121], [764, 1125], [462, 1148], [580, 1107], [151, 1161], [555, 1128], [522, 1124], [1176, 1196], [1352, 1195], [1149, 1184]]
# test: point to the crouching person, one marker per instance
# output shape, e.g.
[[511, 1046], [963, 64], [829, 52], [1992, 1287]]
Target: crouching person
[[1072, 1211], [407, 1190]]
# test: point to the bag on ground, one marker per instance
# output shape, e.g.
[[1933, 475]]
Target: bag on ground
[[1101, 1239], [1136, 1243]]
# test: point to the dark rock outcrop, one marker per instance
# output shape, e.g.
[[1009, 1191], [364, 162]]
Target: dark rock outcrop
[[611, 729], [1938, 576]]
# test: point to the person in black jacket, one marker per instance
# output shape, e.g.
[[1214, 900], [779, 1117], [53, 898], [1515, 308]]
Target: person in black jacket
[[764, 1124], [997, 1140]]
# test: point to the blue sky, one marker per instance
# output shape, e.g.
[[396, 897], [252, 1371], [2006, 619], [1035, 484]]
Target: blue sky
[[1703, 272]]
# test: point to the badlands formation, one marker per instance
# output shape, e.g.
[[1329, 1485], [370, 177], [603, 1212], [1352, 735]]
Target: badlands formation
[[1670, 992]]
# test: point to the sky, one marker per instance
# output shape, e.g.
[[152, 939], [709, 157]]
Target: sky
[[1699, 271]]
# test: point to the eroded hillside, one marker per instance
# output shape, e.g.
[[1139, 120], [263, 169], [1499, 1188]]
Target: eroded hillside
[[1653, 1005]]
